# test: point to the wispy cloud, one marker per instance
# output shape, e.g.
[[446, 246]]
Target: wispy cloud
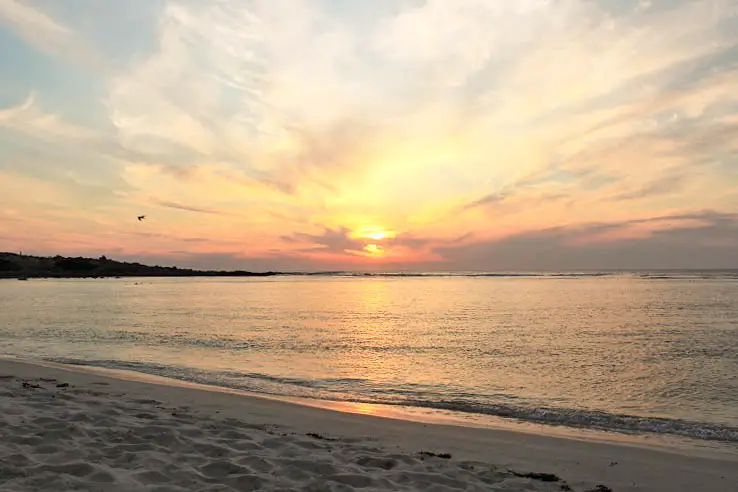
[[669, 184], [27, 118], [33, 25], [187, 208], [49, 35], [329, 241]]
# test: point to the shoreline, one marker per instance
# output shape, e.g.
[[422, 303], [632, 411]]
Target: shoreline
[[437, 415], [581, 463]]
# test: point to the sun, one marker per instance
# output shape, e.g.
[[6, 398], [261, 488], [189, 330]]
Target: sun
[[376, 234], [376, 241], [374, 250]]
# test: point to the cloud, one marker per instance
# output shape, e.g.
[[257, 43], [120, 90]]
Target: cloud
[[704, 239], [671, 183], [28, 118], [152, 235], [228, 260], [228, 88], [48, 34], [343, 244], [187, 208], [409, 240], [329, 241], [33, 25], [491, 199], [44, 146]]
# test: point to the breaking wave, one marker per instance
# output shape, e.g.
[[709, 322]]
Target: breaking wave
[[439, 398]]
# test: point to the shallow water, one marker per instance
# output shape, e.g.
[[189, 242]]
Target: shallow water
[[638, 353]]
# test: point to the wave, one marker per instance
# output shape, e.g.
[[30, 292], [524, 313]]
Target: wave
[[716, 276], [591, 419], [345, 390]]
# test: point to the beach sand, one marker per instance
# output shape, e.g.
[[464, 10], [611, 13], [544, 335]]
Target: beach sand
[[68, 429]]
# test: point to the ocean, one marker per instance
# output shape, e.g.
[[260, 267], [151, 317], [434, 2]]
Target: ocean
[[625, 353]]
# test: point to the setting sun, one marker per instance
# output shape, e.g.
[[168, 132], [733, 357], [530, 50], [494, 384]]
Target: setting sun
[[377, 234], [374, 250]]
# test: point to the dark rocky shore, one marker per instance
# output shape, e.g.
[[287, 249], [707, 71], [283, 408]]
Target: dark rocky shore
[[24, 267]]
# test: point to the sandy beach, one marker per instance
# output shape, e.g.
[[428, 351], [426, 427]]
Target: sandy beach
[[68, 429]]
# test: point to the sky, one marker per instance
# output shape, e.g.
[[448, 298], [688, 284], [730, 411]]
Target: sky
[[372, 135]]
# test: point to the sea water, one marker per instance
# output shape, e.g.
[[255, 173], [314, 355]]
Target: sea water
[[644, 353]]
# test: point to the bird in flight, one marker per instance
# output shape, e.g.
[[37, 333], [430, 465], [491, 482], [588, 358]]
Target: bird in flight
[[141, 217]]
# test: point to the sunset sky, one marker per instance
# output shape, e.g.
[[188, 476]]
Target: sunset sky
[[372, 135]]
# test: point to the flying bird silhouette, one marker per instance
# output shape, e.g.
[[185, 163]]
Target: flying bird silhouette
[[141, 217]]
